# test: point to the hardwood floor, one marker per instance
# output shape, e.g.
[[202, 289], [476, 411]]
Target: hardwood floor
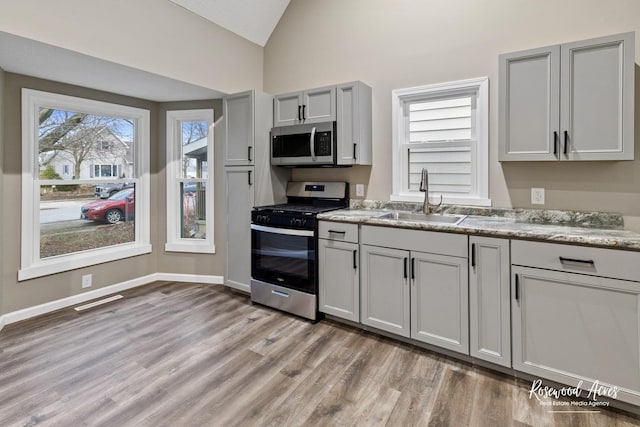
[[175, 354]]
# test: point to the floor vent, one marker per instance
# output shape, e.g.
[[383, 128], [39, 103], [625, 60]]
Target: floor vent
[[97, 303]]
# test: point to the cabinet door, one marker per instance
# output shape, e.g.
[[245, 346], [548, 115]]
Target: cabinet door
[[385, 289], [571, 327], [598, 98], [489, 300], [529, 93], [287, 109], [239, 196], [339, 287], [319, 105], [353, 117], [439, 301], [238, 113]]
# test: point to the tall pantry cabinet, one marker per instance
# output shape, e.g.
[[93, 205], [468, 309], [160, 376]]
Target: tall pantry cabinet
[[249, 178]]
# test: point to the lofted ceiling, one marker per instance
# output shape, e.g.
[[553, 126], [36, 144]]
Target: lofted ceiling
[[32, 58], [254, 20]]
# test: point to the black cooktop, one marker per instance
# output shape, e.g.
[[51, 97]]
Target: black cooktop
[[298, 208]]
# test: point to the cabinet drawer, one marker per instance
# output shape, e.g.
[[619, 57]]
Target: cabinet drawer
[[338, 231], [612, 263], [416, 240]]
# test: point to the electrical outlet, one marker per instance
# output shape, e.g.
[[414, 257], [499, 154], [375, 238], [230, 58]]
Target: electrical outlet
[[359, 190], [86, 281], [537, 196]]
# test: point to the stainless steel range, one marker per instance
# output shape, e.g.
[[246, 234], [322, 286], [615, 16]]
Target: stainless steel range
[[284, 268]]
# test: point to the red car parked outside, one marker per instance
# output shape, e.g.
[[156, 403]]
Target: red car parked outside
[[119, 207]]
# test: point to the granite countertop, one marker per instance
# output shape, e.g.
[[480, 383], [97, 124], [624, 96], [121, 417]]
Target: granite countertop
[[581, 228]]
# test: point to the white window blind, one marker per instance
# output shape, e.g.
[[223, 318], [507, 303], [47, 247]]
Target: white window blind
[[442, 128], [439, 139]]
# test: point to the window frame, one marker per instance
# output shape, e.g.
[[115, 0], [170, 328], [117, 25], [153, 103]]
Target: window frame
[[401, 99], [176, 243], [31, 265]]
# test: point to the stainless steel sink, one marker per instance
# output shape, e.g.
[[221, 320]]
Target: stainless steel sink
[[431, 218]]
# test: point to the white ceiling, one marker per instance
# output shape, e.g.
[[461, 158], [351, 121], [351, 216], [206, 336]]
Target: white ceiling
[[252, 19], [32, 58]]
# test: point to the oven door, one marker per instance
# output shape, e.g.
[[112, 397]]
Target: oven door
[[284, 257]]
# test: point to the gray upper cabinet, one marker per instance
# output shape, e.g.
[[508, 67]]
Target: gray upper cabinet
[[309, 106], [354, 123], [238, 111], [573, 101]]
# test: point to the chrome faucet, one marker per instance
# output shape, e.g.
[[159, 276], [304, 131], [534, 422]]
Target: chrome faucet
[[424, 187]]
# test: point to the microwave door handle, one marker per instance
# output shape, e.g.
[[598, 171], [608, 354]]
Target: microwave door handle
[[312, 143]]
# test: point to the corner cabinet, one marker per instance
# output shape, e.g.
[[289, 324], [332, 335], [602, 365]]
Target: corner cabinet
[[490, 300], [573, 101], [419, 291], [249, 179], [338, 270], [571, 324]]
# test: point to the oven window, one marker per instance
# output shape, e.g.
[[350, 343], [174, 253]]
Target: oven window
[[284, 260]]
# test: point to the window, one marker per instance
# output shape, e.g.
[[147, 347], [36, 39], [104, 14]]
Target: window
[[190, 181], [106, 171], [443, 128], [64, 133]]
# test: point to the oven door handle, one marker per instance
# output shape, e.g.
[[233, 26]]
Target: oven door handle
[[285, 231]]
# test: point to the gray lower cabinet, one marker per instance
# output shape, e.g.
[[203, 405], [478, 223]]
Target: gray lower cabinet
[[572, 325], [239, 193], [339, 279], [490, 300], [439, 312], [385, 289], [339, 270], [420, 291]]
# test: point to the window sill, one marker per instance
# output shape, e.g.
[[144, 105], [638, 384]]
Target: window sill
[[64, 263], [464, 201], [188, 247]]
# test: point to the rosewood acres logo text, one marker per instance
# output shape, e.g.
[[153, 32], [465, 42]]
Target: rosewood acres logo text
[[560, 399]]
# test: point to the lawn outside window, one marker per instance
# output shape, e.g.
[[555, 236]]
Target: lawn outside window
[[69, 146], [443, 128]]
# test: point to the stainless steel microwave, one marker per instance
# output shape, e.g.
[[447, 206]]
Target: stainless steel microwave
[[304, 145]]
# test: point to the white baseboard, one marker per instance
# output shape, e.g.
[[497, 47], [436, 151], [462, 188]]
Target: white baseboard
[[27, 313]]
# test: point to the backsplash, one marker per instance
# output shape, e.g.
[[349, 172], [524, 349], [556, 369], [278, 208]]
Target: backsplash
[[605, 220]]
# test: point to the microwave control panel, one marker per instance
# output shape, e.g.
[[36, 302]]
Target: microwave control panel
[[323, 144]]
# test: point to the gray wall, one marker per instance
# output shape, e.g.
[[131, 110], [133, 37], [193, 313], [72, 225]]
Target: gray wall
[[151, 35], [17, 295], [187, 263], [391, 45]]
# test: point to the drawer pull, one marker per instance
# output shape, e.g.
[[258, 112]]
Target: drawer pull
[[577, 262], [337, 232]]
